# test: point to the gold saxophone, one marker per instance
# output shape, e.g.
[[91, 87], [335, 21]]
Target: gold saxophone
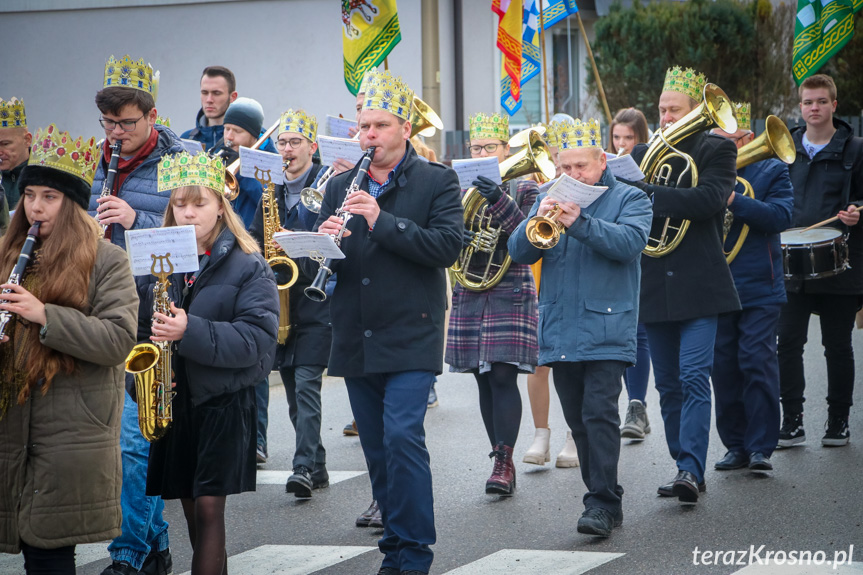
[[151, 364], [283, 267]]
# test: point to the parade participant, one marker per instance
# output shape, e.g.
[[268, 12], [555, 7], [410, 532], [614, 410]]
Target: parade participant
[[628, 129], [492, 333], [827, 176], [588, 334], [745, 367], [15, 141], [683, 292], [72, 325], [301, 360], [127, 103], [389, 349], [222, 325], [218, 90]]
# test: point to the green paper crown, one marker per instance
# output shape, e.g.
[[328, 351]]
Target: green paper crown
[[489, 127], [12, 114], [686, 81], [127, 73], [743, 111], [578, 134], [163, 121], [185, 169], [56, 149], [388, 93], [300, 122]]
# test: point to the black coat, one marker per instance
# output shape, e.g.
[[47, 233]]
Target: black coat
[[232, 308], [694, 280], [389, 304], [823, 186], [311, 332]]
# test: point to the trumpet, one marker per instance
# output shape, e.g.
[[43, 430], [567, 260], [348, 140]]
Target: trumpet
[[232, 186]]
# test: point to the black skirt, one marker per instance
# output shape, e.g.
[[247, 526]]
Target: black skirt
[[208, 450]]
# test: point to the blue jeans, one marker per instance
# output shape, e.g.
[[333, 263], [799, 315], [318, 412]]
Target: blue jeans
[[144, 528], [303, 389], [262, 396], [682, 354], [637, 376], [390, 409]]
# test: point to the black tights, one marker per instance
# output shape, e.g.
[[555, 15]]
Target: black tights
[[500, 403], [59, 561], [205, 517]]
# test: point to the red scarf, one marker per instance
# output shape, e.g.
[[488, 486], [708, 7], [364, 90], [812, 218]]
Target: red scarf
[[125, 167]]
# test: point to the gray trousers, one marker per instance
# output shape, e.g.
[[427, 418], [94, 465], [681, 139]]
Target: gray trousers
[[303, 388]]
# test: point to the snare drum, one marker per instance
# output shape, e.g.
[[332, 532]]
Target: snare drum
[[813, 254]]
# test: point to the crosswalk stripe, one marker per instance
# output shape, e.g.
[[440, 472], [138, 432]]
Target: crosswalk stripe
[[279, 477], [86, 553], [772, 569], [291, 559], [528, 562]]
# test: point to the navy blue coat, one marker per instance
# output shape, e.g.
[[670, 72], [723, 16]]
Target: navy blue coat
[[233, 312], [757, 270], [207, 135]]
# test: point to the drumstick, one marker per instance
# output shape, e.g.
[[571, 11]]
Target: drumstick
[[830, 220]]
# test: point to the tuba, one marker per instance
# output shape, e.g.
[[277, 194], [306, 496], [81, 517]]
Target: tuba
[[232, 186], [775, 141], [150, 364], [715, 111], [534, 158]]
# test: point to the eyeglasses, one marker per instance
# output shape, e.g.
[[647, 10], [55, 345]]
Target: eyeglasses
[[127, 125], [294, 143], [490, 148]]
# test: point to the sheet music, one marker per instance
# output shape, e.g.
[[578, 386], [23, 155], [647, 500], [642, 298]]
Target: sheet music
[[251, 159], [307, 244], [340, 127], [333, 149], [568, 189], [468, 170], [179, 241], [626, 168]]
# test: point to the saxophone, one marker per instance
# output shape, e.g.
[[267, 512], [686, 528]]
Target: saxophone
[[283, 267], [150, 363]]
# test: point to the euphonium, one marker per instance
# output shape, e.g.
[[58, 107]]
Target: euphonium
[[150, 363], [534, 158], [775, 141], [232, 186], [715, 111], [424, 120], [283, 267]]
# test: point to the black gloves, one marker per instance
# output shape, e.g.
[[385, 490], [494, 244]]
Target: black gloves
[[640, 184], [488, 189], [467, 237]]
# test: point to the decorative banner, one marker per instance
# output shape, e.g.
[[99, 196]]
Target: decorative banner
[[556, 11], [509, 36], [370, 30], [820, 30]]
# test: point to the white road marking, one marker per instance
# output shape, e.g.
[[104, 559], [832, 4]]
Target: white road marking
[[290, 559], [278, 477], [529, 562]]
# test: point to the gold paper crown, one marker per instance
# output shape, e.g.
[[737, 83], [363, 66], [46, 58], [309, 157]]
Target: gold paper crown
[[368, 79], [485, 127], [55, 149], [184, 169], [578, 134], [163, 121], [388, 93], [686, 81], [550, 135], [300, 122], [744, 115], [12, 114], [127, 73]]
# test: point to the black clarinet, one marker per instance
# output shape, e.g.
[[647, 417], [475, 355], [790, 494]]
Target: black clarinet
[[108, 185], [315, 292], [18, 273]]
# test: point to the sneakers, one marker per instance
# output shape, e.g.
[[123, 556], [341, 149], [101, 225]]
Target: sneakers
[[350, 429], [598, 521], [119, 568], [538, 453], [791, 433], [158, 563], [261, 455], [432, 402], [300, 483], [836, 432], [568, 456], [636, 424]]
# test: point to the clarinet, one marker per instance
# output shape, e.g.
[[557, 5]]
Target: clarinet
[[18, 273], [315, 292], [108, 185]]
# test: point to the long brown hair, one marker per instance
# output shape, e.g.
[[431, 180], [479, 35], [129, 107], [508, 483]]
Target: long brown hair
[[64, 262], [229, 219], [633, 119]]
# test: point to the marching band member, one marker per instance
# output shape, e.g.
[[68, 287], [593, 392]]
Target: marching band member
[[628, 129], [389, 349], [492, 333], [223, 324], [218, 90], [828, 179], [61, 396], [127, 103], [15, 141], [745, 367], [589, 310], [303, 357], [683, 292]]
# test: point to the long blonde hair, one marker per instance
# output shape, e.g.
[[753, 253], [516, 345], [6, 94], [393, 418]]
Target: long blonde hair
[[229, 218]]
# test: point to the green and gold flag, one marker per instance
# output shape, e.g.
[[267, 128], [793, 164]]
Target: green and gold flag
[[821, 28], [370, 29]]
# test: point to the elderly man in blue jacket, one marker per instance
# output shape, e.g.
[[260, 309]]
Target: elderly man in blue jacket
[[745, 367], [588, 311]]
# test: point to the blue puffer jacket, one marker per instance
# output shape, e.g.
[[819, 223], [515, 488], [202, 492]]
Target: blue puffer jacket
[[757, 269], [233, 312], [139, 189], [588, 298], [207, 135]]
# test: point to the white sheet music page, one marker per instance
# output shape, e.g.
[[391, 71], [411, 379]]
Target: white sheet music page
[[177, 243], [308, 244], [568, 189], [333, 149], [626, 168], [468, 170], [256, 161]]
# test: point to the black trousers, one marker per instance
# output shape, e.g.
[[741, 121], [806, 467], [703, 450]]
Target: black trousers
[[59, 561], [837, 324]]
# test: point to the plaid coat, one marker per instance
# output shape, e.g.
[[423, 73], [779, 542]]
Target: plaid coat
[[499, 324]]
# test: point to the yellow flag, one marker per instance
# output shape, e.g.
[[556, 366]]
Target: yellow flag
[[370, 29]]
